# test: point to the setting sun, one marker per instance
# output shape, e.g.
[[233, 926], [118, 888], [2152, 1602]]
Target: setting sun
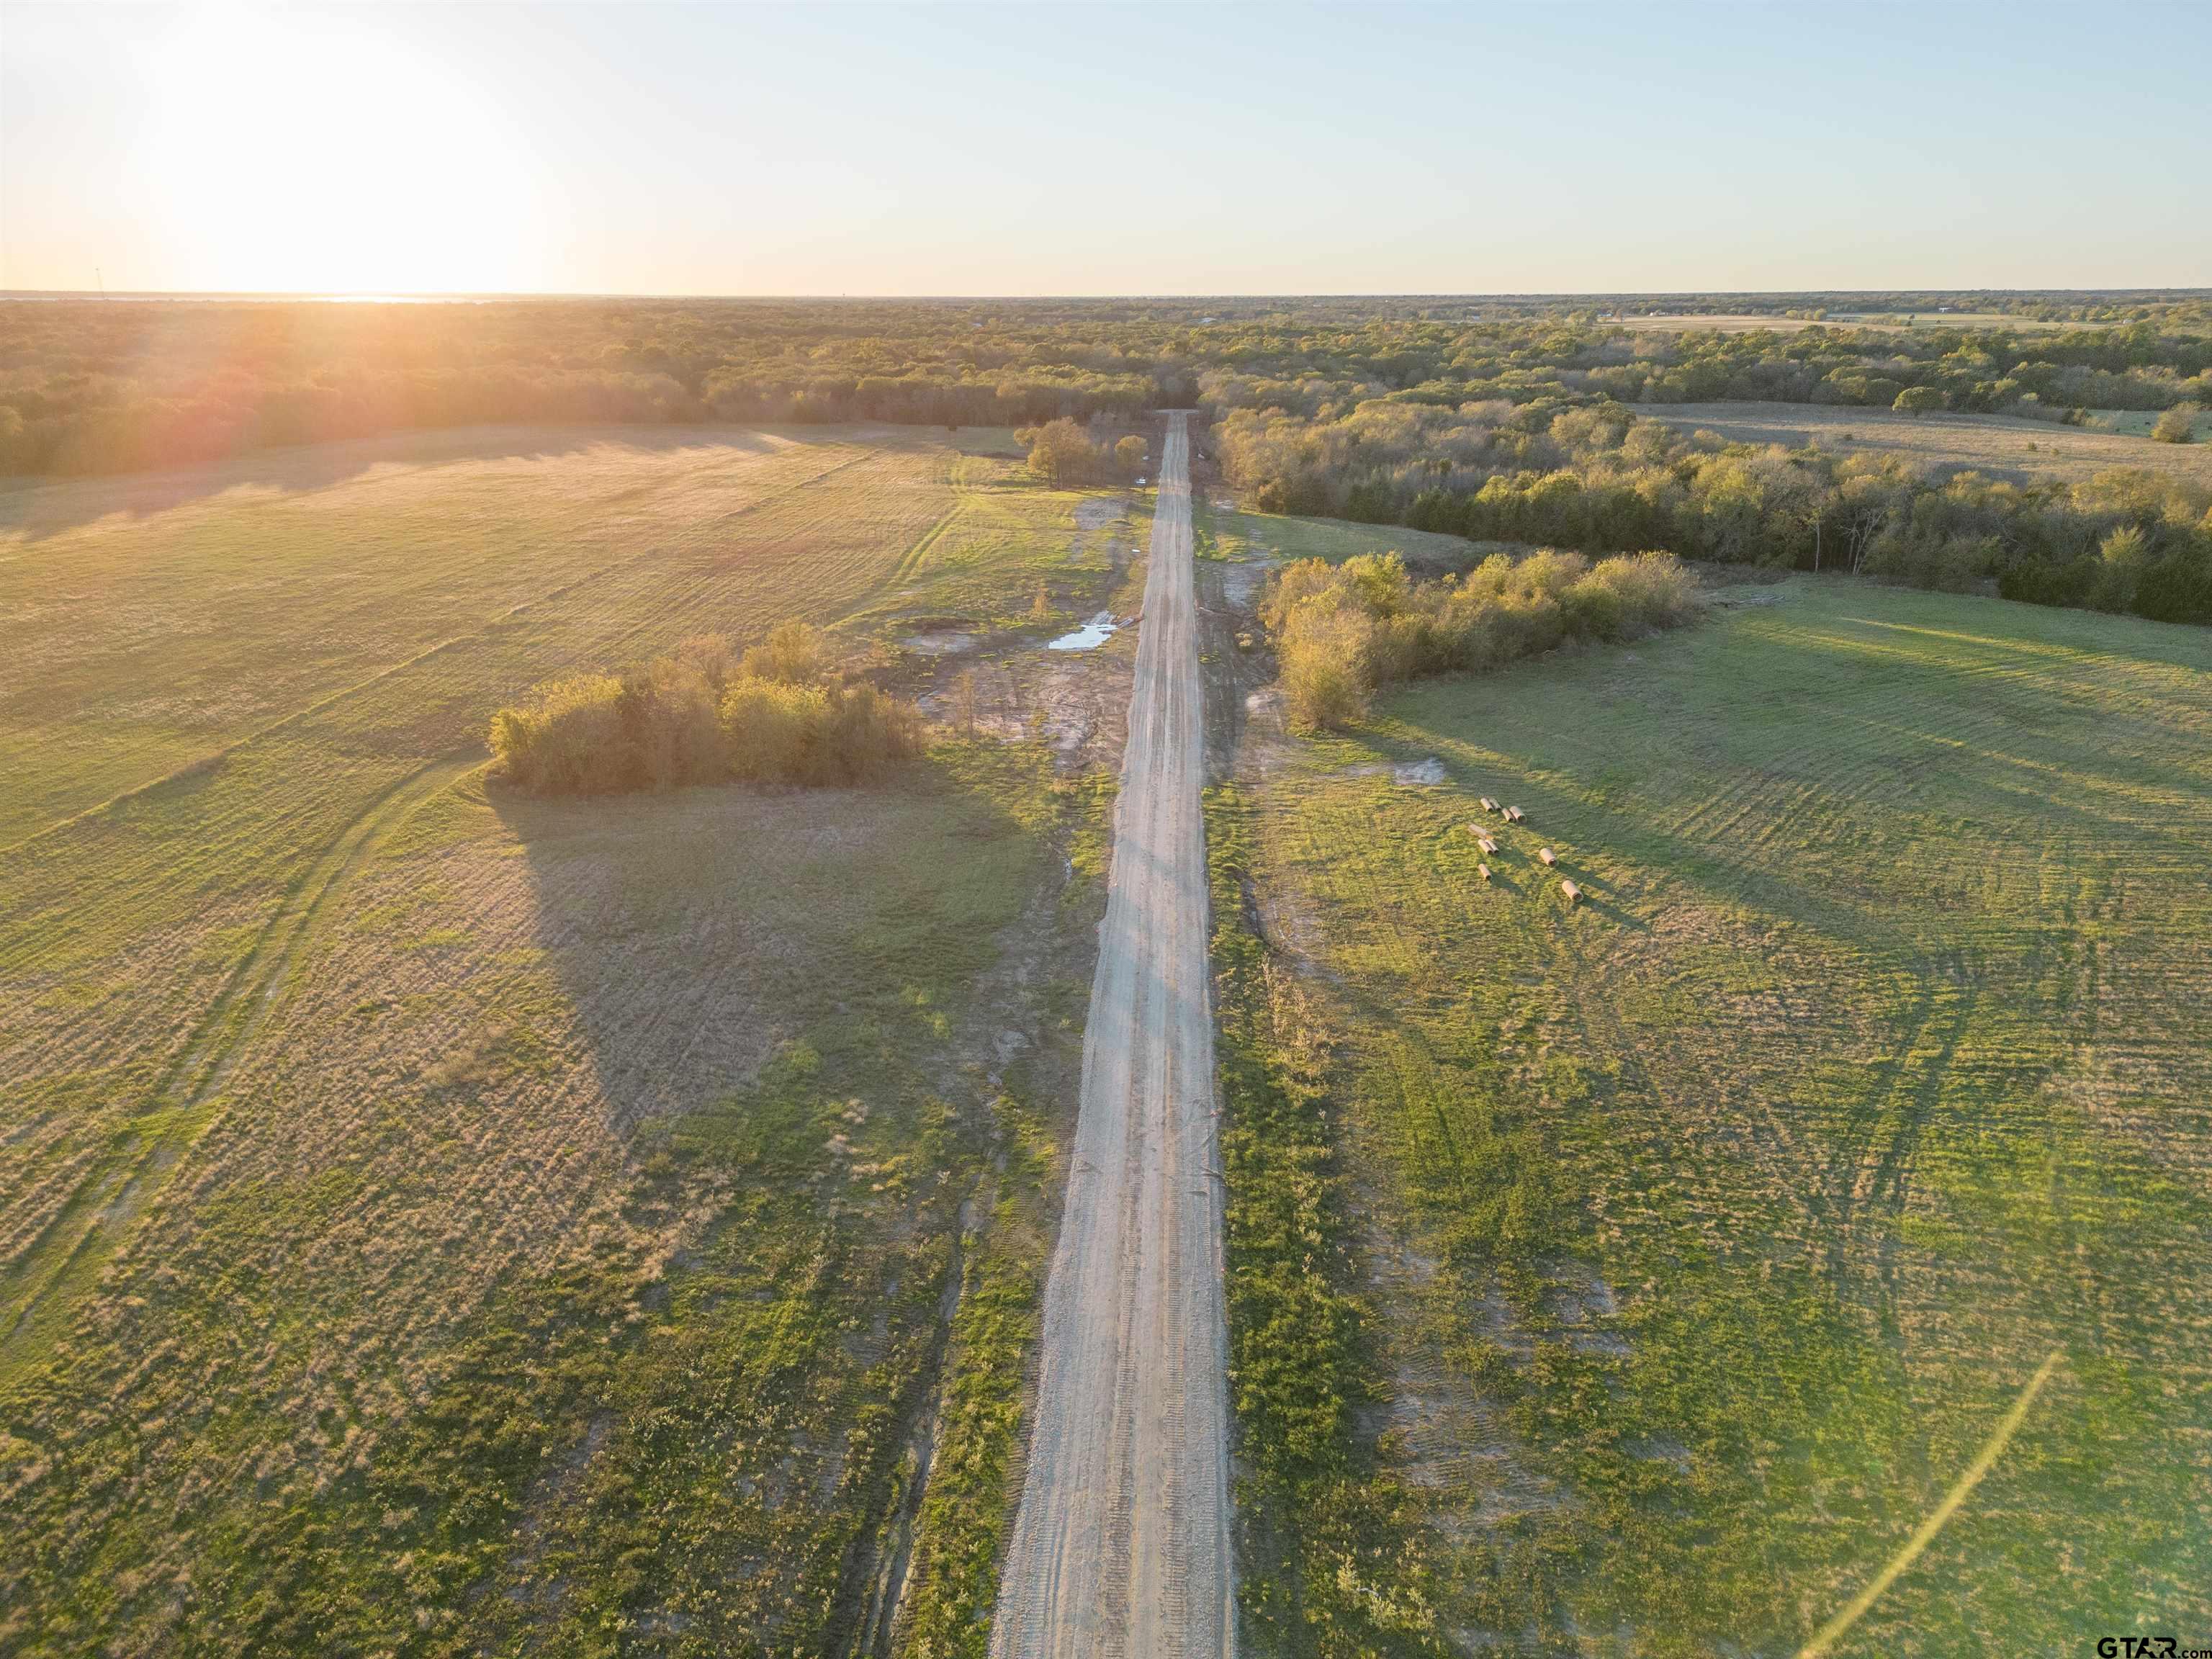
[[316, 154]]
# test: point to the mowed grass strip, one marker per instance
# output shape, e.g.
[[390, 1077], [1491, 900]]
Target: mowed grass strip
[[1717, 1221], [1006, 539]]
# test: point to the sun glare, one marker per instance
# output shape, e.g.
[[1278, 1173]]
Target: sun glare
[[312, 155]]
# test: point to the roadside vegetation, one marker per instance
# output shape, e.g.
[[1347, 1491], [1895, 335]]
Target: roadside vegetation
[[1334, 1559], [1069, 453], [1702, 1234], [1342, 630]]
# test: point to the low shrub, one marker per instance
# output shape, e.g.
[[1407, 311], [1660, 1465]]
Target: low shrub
[[777, 733], [2177, 426], [1342, 630], [794, 651], [700, 715]]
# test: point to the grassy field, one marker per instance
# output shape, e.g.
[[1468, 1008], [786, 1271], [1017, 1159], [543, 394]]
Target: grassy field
[[1923, 320], [1705, 1235], [1225, 532], [1714, 323], [2138, 422], [1998, 445], [1006, 540], [433, 1221]]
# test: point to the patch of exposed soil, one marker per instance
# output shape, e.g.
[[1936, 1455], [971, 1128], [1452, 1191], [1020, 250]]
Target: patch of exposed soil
[[1098, 511], [1077, 703], [940, 642]]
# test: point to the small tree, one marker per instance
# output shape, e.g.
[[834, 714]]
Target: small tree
[[1062, 452], [1918, 399], [794, 651], [2177, 426], [2125, 553], [1130, 454], [1327, 676]]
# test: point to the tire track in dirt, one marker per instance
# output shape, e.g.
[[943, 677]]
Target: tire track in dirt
[[35, 1293], [1121, 1548]]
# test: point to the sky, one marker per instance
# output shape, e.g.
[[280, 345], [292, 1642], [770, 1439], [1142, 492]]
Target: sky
[[1067, 149]]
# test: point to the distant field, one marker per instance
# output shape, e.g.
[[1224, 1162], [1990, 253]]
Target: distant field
[[2138, 422], [1998, 445], [1749, 322], [152, 621], [1226, 532], [1005, 538], [1717, 324], [1709, 1230], [1952, 319], [432, 1220]]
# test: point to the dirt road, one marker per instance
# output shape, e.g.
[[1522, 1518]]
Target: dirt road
[[1120, 1549]]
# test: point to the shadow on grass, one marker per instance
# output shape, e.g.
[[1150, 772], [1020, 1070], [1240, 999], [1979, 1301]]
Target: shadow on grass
[[697, 933]]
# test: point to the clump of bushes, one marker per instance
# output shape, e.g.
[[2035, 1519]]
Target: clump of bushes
[[1068, 453], [2177, 426], [701, 715], [1342, 630]]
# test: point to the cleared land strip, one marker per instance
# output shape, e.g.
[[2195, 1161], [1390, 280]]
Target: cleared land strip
[[1121, 1544]]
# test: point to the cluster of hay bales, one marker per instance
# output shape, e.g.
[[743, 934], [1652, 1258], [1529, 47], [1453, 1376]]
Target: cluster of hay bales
[[1489, 846]]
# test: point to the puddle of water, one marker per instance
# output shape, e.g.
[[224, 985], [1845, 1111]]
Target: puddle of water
[[1096, 632]]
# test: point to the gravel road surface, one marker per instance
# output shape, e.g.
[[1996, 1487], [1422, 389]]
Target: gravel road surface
[[1121, 1547]]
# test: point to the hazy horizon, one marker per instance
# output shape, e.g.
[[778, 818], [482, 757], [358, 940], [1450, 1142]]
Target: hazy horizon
[[1006, 152], [342, 296]]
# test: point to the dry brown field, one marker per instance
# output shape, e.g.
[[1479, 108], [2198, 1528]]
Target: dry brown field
[[1997, 445]]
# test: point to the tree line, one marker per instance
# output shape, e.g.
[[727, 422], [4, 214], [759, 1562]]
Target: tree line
[[86, 386], [1600, 480]]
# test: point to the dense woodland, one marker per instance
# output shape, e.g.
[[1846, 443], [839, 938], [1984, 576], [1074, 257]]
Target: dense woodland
[[92, 386], [1511, 419]]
